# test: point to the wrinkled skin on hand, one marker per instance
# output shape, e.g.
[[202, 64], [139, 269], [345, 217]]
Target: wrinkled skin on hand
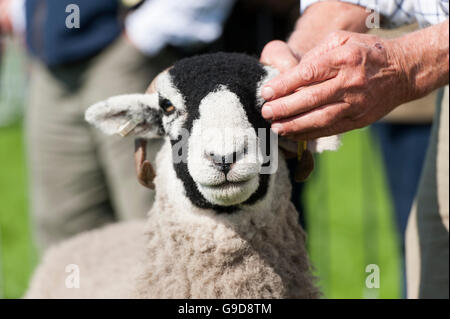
[[346, 82]]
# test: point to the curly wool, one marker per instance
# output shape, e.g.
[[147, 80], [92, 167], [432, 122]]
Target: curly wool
[[186, 252], [187, 249]]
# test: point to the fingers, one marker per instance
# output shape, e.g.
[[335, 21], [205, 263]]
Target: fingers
[[332, 41], [305, 99], [323, 121], [317, 65], [278, 55], [307, 72]]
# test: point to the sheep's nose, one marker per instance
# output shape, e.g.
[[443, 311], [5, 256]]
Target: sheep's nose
[[223, 163], [224, 166]]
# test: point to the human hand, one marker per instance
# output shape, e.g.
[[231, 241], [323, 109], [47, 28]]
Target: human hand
[[279, 55], [5, 21], [348, 81]]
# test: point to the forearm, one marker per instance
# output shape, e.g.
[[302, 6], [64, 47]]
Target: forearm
[[425, 59], [322, 18]]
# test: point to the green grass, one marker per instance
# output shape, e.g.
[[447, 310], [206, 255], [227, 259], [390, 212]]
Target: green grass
[[350, 221], [16, 252], [349, 215]]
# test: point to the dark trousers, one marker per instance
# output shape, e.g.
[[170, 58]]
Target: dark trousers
[[403, 149]]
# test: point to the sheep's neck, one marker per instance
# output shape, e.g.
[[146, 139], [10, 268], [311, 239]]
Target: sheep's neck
[[251, 253], [171, 210], [212, 252]]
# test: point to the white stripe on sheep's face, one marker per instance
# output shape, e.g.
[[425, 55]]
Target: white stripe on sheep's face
[[209, 108], [221, 160], [220, 111]]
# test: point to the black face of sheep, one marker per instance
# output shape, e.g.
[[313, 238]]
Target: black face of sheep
[[209, 108]]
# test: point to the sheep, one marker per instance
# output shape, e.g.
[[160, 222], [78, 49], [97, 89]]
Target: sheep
[[220, 226]]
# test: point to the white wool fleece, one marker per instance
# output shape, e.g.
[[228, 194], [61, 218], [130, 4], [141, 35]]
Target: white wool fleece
[[187, 252]]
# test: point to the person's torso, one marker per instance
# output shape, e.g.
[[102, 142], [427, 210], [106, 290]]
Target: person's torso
[[64, 31]]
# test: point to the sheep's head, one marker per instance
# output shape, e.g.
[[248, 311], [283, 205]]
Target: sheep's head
[[209, 108]]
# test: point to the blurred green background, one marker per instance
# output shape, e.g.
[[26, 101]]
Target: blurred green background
[[17, 255], [349, 214]]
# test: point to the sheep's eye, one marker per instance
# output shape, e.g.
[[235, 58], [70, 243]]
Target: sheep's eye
[[167, 106]]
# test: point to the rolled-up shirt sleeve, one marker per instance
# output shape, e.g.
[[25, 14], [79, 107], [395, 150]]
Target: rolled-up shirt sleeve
[[393, 13]]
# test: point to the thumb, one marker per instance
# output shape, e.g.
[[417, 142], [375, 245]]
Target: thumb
[[278, 55]]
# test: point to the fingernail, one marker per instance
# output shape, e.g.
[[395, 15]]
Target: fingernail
[[267, 112], [277, 128], [267, 93]]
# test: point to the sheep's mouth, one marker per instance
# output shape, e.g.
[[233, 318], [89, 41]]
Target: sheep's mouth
[[228, 193], [227, 184]]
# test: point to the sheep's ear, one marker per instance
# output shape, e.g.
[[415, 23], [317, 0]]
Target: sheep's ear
[[329, 143], [133, 114]]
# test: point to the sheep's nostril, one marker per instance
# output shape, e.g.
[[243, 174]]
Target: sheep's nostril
[[224, 166], [223, 163]]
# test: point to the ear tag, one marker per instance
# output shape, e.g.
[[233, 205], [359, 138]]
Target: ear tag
[[127, 128], [305, 162]]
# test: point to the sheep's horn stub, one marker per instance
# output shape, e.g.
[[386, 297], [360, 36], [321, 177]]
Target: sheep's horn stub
[[305, 166], [144, 169], [152, 87]]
